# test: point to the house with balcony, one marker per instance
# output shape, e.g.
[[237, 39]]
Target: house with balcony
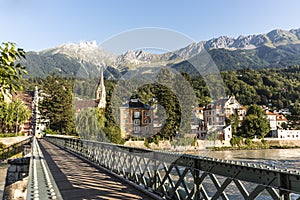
[[215, 115]]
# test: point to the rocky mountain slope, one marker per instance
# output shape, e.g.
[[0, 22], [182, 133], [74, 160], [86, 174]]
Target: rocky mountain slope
[[277, 48]]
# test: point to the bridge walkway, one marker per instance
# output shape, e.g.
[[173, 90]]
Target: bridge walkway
[[77, 179]]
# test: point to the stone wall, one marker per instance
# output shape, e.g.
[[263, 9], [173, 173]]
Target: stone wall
[[16, 179], [282, 143]]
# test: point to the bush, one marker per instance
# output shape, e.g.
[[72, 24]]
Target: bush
[[50, 131], [248, 142], [194, 142], [181, 141], [2, 146], [146, 143], [236, 141], [3, 135], [264, 142]]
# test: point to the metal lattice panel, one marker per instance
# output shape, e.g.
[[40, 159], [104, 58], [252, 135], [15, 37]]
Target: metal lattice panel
[[176, 176]]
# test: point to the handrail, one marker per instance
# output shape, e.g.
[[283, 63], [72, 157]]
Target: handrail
[[181, 176], [41, 184]]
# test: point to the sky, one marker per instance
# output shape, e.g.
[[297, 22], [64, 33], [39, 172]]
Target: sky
[[36, 25]]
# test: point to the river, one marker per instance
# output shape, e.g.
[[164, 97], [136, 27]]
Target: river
[[281, 158]]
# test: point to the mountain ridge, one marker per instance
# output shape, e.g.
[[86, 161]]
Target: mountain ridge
[[253, 51]]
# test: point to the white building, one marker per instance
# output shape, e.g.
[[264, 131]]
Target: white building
[[286, 134], [215, 115], [276, 120]]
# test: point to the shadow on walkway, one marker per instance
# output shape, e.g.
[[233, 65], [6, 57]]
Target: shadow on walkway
[[77, 179]]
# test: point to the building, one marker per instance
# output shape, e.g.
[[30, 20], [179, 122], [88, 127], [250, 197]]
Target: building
[[136, 119], [272, 120], [215, 115], [197, 119], [101, 93], [99, 101], [286, 134], [276, 120]]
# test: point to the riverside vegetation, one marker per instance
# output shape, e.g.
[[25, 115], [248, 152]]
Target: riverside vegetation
[[275, 87]]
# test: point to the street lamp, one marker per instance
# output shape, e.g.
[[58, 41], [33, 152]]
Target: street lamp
[[17, 118]]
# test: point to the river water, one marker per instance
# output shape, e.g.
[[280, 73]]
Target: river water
[[281, 158]]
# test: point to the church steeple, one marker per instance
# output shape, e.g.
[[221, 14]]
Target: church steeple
[[101, 93]]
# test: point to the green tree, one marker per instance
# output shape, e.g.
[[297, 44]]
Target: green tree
[[255, 122], [12, 115], [234, 121], [89, 124], [57, 104], [10, 71]]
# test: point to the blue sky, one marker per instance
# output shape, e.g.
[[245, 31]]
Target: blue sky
[[41, 24]]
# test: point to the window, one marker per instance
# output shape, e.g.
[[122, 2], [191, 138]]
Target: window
[[147, 113], [137, 122], [136, 114], [147, 121], [136, 129]]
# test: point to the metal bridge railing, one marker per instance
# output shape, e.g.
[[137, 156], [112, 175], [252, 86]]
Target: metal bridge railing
[[41, 184], [176, 176]]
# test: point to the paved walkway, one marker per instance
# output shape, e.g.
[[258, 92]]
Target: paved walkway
[[77, 179]]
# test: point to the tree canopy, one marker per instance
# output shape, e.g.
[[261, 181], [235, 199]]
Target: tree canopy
[[10, 71], [57, 104], [255, 122]]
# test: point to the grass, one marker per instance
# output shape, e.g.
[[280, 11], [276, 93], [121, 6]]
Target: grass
[[4, 135]]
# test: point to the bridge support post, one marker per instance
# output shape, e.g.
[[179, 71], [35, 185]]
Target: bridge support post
[[284, 182], [196, 174], [154, 179]]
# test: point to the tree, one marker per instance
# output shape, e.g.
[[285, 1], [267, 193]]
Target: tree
[[12, 114], [10, 72], [89, 124], [255, 122], [57, 104], [234, 121]]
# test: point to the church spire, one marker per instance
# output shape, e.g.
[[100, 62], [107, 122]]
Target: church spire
[[101, 93]]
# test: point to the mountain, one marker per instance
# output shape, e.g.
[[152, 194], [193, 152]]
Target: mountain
[[277, 48]]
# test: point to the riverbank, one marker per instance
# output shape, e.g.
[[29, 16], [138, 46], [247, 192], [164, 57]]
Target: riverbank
[[255, 144]]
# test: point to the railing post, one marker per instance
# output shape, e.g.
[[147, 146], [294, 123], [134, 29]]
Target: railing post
[[196, 174], [154, 179], [131, 175], [284, 183]]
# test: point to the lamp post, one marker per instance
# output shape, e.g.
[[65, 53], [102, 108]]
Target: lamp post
[[17, 119]]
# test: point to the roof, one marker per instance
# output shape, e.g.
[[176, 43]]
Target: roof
[[83, 104], [136, 103], [220, 103], [199, 108], [280, 118], [270, 113], [26, 97]]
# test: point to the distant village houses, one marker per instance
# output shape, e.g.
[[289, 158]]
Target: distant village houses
[[214, 118]]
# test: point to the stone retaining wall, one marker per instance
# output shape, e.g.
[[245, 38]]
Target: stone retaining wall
[[16, 179]]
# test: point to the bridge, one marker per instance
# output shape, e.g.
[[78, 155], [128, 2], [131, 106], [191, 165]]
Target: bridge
[[67, 168]]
